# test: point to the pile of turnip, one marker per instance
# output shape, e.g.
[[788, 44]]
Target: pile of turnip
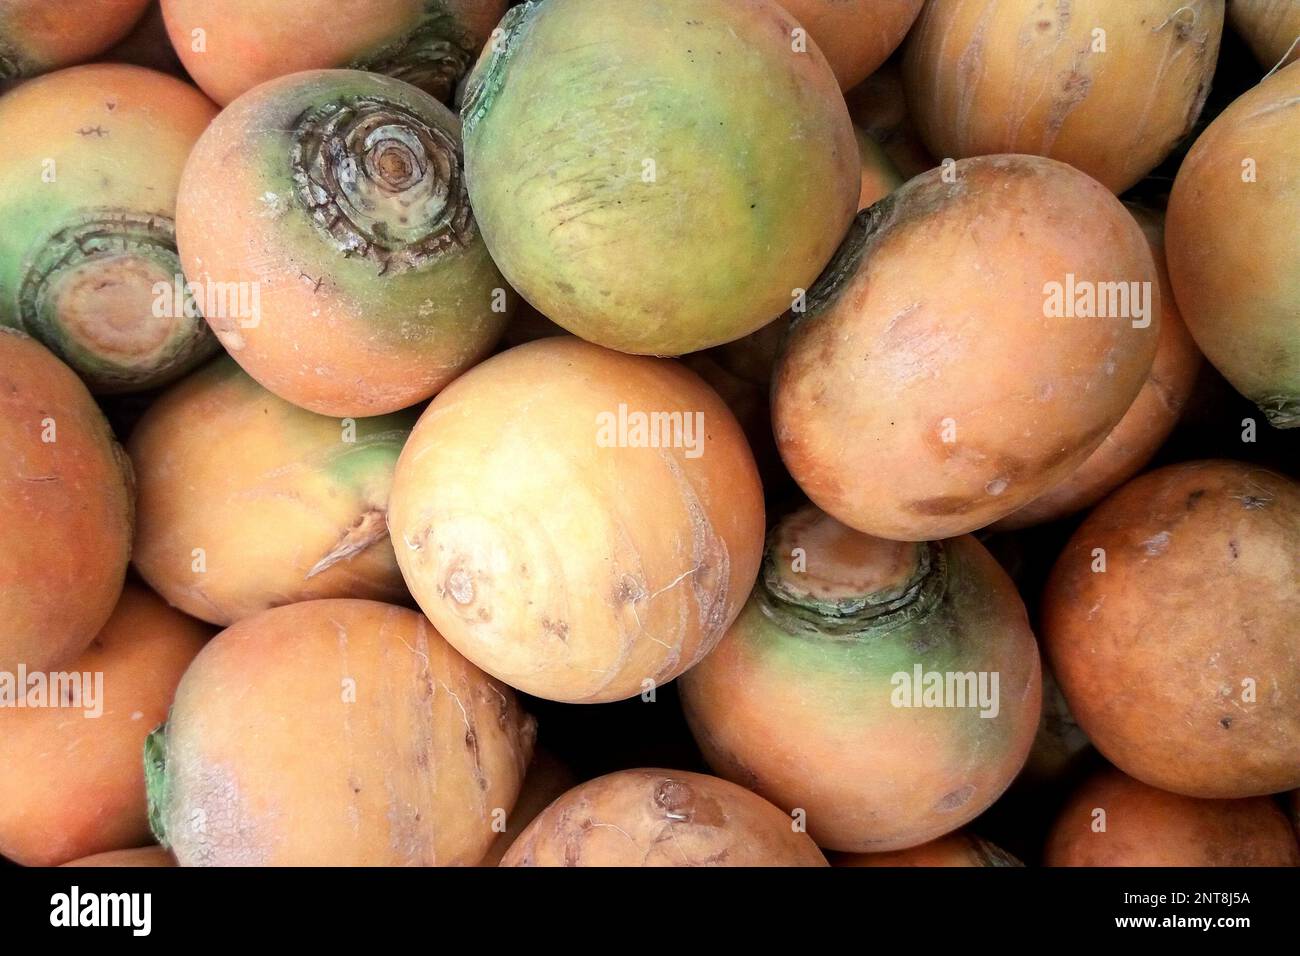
[[630, 433]]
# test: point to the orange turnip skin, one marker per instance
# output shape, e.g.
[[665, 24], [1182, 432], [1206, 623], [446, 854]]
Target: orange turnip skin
[[1024, 76], [75, 784], [631, 221], [1149, 420], [1231, 235], [926, 392], [855, 35], [546, 781], [296, 512], [570, 569], [375, 289], [430, 43], [1269, 27], [39, 35], [335, 733], [65, 510], [956, 849], [1159, 655], [93, 159], [878, 106], [796, 702], [1149, 827], [640, 818], [141, 856]]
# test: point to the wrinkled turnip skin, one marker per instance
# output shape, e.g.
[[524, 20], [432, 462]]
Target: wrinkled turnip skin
[[40, 35], [1149, 827], [341, 331], [925, 393], [77, 782], [337, 733], [141, 856], [294, 512], [65, 510], [1232, 244], [92, 162], [653, 818], [806, 718], [750, 191], [955, 849], [856, 36], [1195, 613], [1149, 420], [569, 570], [1269, 27], [248, 42], [1024, 76]]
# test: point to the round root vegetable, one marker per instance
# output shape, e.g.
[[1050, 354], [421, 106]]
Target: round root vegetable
[[231, 46], [88, 265], [856, 36], [40, 35], [889, 690], [1170, 622], [294, 510], [632, 220], [580, 523], [640, 818], [1113, 820], [65, 510], [1108, 86], [1231, 236], [968, 348], [76, 785], [1270, 27], [1147, 423], [340, 733], [878, 106], [334, 201], [956, 849], [547, 780], [142, 856]]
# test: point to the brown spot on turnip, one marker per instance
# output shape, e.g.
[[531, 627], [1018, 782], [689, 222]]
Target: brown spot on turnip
[[1225, 723], [1194, 497], [943, 505], [629, 590], [955, 799], [556, 629], [1233, 550]]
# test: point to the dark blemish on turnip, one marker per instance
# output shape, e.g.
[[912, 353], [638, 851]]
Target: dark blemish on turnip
[[943, 505], [956, 799], [1194, 497], [1232, 547], [1225, 723]]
